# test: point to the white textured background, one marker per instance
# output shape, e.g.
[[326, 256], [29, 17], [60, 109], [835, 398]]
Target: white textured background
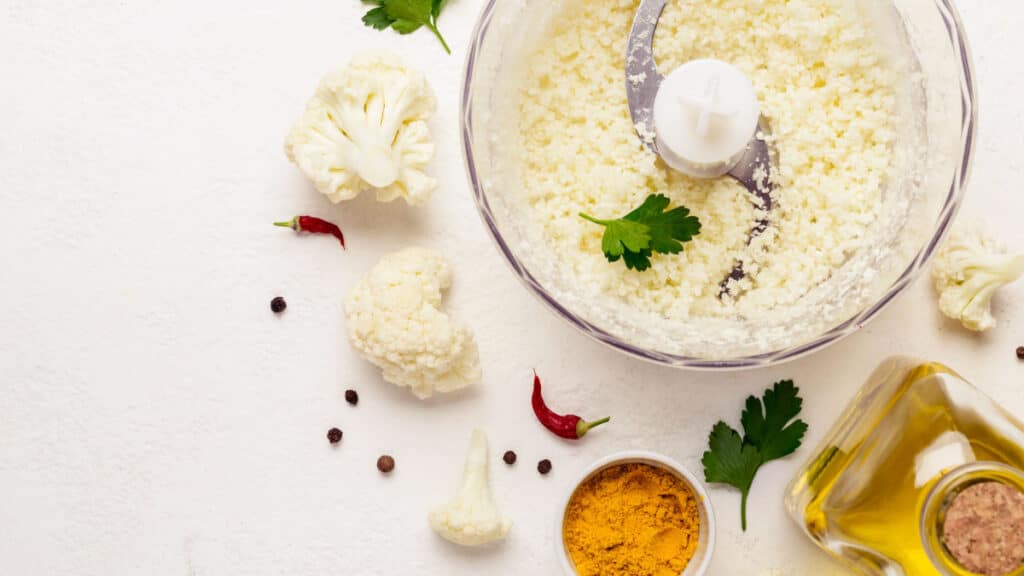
[[156, 418]]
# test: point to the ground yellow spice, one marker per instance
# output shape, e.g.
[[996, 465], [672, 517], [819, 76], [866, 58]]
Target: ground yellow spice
[[632, 519]]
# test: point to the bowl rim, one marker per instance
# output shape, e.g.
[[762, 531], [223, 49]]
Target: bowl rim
[[653, 459], [945, 219]]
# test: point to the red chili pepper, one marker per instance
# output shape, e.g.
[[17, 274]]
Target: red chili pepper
[[566, 426], [313, 226]]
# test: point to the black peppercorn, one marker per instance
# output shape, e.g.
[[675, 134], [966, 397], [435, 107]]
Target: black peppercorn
[[352, 397], [277, 305], [334, 435], [544, 466], [385, 464], [509, 457], [1020, 352]]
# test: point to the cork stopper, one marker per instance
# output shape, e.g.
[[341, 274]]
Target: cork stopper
[[983, 528]]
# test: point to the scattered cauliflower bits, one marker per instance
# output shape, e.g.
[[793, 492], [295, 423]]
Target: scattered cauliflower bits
[[969, 268], [366, 128], [394, 320], [829, 97]]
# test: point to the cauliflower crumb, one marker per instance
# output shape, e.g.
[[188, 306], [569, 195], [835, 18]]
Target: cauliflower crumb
[[394, 320], [366, 128], [827, 92]]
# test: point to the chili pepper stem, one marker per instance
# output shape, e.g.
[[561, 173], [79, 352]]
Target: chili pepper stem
[[293, 224], [583, 427]]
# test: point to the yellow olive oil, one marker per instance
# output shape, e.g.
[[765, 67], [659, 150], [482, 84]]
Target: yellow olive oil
[[861, 495]]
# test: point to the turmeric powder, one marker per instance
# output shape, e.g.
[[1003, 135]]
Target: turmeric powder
[[632, 520]]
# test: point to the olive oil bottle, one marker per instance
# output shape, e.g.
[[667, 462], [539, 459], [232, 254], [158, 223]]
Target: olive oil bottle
[[874, 493]]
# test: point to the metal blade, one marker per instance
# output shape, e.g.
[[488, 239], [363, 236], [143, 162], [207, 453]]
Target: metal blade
[[642, 77], [643, 80]]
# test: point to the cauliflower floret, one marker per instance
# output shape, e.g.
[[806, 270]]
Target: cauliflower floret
[[366, 128], [394, 320], [471, 519], [968, 271]]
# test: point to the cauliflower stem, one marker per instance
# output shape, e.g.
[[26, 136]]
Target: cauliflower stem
[[471, 518]]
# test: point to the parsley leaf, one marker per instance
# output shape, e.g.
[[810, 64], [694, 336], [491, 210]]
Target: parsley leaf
[[767, 435], [406, 16], [730, 461], [639, 261], [767, 430], [623, 236], [412, 10], [378, 18], [635, 237], [406, 26]]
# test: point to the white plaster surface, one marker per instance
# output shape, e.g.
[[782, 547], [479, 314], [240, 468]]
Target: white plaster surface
[[156, 418]]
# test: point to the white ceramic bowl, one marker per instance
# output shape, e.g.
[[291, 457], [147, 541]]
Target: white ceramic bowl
[[701, 560]]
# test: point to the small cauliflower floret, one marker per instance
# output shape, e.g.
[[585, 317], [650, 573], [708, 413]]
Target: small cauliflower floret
[[395, 321], [968, 271], [365, 128], [472, 519]]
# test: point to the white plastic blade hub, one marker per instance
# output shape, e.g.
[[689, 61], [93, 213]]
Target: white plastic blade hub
[[705, 115]]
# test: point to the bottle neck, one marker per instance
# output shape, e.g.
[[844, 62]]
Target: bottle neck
[[933, 517]]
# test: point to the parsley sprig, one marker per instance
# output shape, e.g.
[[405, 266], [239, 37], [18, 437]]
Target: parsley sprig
[[767, 435], [406, 16], [635, 237]]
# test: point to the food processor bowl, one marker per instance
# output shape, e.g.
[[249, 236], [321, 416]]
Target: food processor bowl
[[937, 112]]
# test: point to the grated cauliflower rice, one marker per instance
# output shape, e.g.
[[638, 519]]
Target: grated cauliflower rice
[[827, 91]]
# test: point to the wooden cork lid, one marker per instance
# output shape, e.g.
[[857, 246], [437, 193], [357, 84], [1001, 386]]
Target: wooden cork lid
[[984, 528]]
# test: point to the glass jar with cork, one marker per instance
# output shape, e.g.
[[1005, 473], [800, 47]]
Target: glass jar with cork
[[921, 475]]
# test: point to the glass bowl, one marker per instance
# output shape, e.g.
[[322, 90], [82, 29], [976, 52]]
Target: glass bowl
[[931, 160]]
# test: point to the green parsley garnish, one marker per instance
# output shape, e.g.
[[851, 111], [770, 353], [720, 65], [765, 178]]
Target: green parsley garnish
[[638, 235], [406, 16], [767, 435]]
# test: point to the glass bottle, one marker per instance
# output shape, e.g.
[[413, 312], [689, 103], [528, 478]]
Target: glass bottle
[[874, 493]]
